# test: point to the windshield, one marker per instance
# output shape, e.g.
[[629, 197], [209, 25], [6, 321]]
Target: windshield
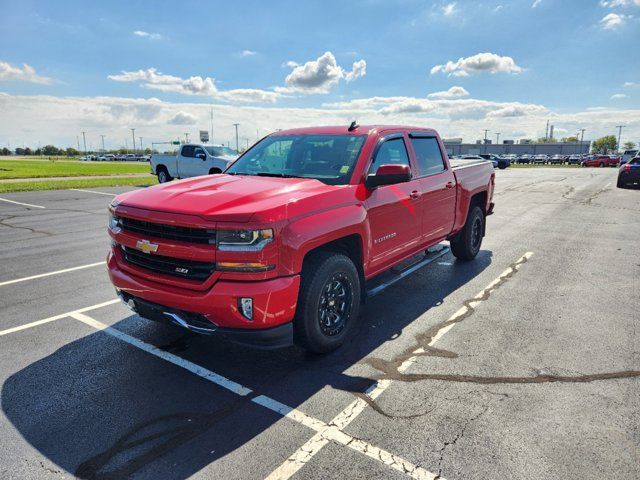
[[221, 151], [328, 158]]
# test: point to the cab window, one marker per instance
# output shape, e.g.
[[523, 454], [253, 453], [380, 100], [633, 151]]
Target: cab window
[[428, 155], [392, 151], [188, 151]]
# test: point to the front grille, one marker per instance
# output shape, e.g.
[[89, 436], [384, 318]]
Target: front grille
[[170, 232], [177, 267]]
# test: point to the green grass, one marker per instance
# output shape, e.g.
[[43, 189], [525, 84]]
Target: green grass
[[41, 169], [8, 187]]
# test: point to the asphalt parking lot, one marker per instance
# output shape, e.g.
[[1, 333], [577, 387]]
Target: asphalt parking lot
[[521, 364]]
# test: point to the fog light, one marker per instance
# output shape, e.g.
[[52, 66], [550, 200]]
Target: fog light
[[245, 305]]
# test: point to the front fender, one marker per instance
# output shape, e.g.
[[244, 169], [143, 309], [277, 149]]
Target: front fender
[[302, 235]]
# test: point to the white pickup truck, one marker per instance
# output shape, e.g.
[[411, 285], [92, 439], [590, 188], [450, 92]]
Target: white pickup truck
[[191, 160]]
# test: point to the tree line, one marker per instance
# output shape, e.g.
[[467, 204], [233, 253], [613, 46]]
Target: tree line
[[53, 151]]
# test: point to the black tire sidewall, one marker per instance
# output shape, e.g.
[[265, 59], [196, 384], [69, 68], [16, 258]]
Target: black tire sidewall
[[166, 176], [306, 323]]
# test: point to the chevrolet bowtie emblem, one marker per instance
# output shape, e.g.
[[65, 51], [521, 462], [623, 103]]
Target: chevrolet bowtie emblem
[[146, 246]]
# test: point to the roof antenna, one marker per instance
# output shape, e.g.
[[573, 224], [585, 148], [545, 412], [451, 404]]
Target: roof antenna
[[353, 126]]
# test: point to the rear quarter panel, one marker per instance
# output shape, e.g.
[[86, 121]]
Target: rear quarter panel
[[168, 161], [471, 180]]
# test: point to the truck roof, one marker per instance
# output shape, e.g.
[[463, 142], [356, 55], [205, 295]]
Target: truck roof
[[344, 130]]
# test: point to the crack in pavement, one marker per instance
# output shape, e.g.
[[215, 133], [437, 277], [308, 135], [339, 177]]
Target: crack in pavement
[[3, 222], [391, 369]]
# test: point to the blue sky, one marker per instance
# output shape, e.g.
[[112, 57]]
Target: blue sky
[[568, 59]]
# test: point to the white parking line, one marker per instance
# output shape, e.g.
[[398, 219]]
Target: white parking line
[[93, 191], [48, 274], [329, 432], [20, 203], [56, 317], [307, 451]]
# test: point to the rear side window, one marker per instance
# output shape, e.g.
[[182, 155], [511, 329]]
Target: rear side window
[[428, 155], [188, 151], [635, 161], [390, 152]]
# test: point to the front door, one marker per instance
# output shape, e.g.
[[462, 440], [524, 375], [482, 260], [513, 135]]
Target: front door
[[395, 212]]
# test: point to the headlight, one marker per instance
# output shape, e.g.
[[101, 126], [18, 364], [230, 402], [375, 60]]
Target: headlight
[[114, 223], [243, 240]]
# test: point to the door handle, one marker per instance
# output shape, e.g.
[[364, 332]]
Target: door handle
[[415, 194], [450, 185]]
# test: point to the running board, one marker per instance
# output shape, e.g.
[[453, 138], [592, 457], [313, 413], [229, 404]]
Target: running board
[[393, 276]]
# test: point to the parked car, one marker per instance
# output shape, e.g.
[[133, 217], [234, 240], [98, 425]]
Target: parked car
[[600, 161], [524, 159], [498, 162], [540, 159], [629, 173], [191, 160], [558, 159], [628, 155], [286, 244], [574, 159]]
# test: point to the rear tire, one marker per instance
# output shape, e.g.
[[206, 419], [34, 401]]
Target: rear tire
[[328, 302], [465, 245], [163, 175], [214, 171]]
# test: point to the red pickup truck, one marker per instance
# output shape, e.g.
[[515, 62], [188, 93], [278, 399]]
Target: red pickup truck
[[601, 161], [284, 245]]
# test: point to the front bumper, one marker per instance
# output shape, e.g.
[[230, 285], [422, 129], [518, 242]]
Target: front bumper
[[274, 301], [268, 338]]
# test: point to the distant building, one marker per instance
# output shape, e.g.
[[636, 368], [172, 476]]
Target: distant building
[[508, 142], [524, 141]]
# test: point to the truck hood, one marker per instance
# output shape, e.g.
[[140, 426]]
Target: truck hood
[[228, 198]]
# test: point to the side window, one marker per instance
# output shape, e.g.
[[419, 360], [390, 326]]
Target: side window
[[428, 155], [198, 150], [390, 152], [635, 161], [188, 151]]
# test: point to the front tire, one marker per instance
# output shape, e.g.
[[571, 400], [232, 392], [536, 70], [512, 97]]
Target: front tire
[[328, 302], [465, 245]]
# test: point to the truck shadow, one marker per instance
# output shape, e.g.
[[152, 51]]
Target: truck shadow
[[100, 408]]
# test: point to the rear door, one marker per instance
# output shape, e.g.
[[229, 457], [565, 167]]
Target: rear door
[[394, 211], [437, 187]]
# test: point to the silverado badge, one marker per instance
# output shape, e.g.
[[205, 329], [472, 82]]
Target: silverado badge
[[146, 246]]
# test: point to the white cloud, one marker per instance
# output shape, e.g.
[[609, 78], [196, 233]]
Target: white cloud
[[631, 84], [535, 3], [151, 36], [453, 92], [618, 96], [611, 21], [320, 75], [183, 118], [248, 53], [449, 9], [316, 76], [619, 3], [480, 62], [194, 85], [26, 73], [57, 120]]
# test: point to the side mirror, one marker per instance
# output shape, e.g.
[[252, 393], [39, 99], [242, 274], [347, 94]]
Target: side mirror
[[201, 156], [388, 175]]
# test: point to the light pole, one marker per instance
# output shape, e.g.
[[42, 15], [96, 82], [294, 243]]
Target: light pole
[[141, 149], [186, 137], [84, 140], [133, 135], [581, 138], [619, 127], [102, 136], [237, 144], [485, 140], [497, 138]]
